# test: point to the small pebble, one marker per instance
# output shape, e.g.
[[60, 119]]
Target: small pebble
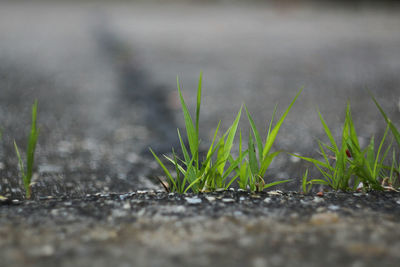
[[193, 200], [268, 200], [318, 200], [228, 200], [210, 199], [275, 193], [304, 202], [127, 206], [333, 207]]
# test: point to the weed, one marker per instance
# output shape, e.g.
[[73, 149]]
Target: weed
[[394, 176], [350, 167], [191, 172], [30, 154], [392, 127], [305, 184], [251, 172]]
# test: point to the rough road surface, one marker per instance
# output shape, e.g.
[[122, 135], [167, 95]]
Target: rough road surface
[[221, 229]]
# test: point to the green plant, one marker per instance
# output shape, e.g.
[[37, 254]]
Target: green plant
[[305, 184], [394, 176], [390, 124], [192, 173], [350, 167], [30, 154], [251, 172]]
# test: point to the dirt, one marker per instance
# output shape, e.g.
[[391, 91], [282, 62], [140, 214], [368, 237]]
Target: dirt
[[104, 75]]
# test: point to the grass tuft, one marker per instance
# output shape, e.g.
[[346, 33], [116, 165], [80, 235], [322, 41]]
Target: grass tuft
[[346, 166], [27, 172], [192, 173], [219, 169], [251, 172]]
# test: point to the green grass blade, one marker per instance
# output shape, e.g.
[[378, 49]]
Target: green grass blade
[[175, 161], [272, 136], [393, 128], [304, 181], [179, 184], [183, 148], [233, 166], [328, 166], [229, 141], [252, 156], [319, 181], [276, 183], [165, 170], [267, 161], [21, 164], [191, 174], [328, 132], [371, 153], [192, 184], [231, 181], [255, 132], [190, 128], [33, 137], [314, 161], [270, 123], [198, 103], [352, 129], [244, 175], [377, 161]]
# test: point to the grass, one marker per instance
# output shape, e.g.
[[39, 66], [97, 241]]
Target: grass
[[27, 172], [251, 171], [394, 176], [195, 174], [346, 166], [219, 169]]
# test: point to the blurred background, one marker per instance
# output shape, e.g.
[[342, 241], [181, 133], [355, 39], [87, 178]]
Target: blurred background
[[104, 73]]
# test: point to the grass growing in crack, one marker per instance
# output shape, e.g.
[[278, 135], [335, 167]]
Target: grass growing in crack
[[27, 172], [251, 172], [306, 185], [394, 176], [350, 167], [191, 173]]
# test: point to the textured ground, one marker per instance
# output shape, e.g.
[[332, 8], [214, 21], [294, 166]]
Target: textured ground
[[222, 229]]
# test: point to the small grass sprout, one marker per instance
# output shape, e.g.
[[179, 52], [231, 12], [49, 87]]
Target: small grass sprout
[[251, 172], [350, 167], [27, 172], [306, 185], [192, 173]]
